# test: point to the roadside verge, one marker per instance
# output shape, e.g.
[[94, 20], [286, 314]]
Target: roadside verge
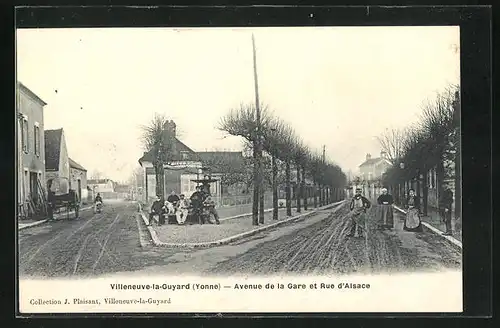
[[22, 226], [157, 242], [436, 231]]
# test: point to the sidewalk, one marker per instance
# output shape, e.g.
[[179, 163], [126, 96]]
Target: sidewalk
[[24, 224], [230, 227], [433, 218]]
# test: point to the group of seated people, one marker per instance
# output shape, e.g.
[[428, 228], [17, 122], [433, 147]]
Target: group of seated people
[[179, 206]]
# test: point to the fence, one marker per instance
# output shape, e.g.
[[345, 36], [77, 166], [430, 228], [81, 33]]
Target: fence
[[224, 201]]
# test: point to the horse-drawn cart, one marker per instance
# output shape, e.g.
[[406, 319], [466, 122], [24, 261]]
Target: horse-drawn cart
[[62, 198]]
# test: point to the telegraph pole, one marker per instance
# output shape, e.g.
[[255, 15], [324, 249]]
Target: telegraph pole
[[322, 187], [257, 149]]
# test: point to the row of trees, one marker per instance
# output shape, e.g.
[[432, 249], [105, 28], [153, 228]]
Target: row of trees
[[278, 146], [433, 143]]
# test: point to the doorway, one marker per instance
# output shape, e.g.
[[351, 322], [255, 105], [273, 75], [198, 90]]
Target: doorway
[[34, 187]]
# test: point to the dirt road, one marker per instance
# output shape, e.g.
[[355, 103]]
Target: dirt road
[[91, 245], [325, 248]]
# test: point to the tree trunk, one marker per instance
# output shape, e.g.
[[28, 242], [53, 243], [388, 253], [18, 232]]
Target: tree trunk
[[425, 193], [298, 189], [261, 206], [159, 175], [305, 193], [275, 188], [417, 191], [288, 189], [315, 193], [440, 179], [256, 185], [320, 194]]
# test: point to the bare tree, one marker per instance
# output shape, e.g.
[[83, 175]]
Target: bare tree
[[243, 122], [391, 142], [273, 144], [159, 139], [300, 156], [96, 175], [230, 165]]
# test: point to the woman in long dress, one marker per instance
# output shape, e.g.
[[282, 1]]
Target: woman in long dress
[[412, 222], [386, 215]]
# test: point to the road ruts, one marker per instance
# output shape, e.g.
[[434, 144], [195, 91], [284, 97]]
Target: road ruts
[[324, 248], [92, 245]]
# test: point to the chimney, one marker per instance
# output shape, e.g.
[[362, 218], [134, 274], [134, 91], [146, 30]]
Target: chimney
[[173, 127], [170, 127], [368, 156]]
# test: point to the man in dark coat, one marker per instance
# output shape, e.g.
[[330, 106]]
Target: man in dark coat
[[358, 206], [157, 209], [197, 199], [445, 204], [173, 198], [51, 204]]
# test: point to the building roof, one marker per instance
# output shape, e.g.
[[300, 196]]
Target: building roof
[[179, 147], [209, 155], [99, 181], [374, 161], [52, 149], [33, 95], [75, 165]]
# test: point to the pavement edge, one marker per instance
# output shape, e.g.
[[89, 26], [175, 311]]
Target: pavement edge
[[37, 223], [157, 242], [454, 242]]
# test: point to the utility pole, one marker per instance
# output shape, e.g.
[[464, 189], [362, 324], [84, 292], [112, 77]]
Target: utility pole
[[322, 187], [256, 216]]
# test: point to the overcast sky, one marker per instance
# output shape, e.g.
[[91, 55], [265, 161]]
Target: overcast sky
[[339, 86]]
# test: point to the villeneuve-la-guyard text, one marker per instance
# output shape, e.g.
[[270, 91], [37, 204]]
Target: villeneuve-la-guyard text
[[165, 286]]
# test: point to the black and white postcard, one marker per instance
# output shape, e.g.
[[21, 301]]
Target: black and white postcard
[[266, 169]]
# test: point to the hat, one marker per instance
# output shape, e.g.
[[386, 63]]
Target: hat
[[383, 189]]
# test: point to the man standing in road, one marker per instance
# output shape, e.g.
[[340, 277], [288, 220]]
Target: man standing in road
[[358, 206], [446, 201]]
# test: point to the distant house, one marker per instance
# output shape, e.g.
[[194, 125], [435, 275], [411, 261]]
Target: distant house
[[122, 188], [78, 179], [186, 165], [373, 168], [101, 185], [57, 160], [30, 149]]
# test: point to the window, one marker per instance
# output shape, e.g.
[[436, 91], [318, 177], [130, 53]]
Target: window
[[184, 155], [37, 139], [24, 133]]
